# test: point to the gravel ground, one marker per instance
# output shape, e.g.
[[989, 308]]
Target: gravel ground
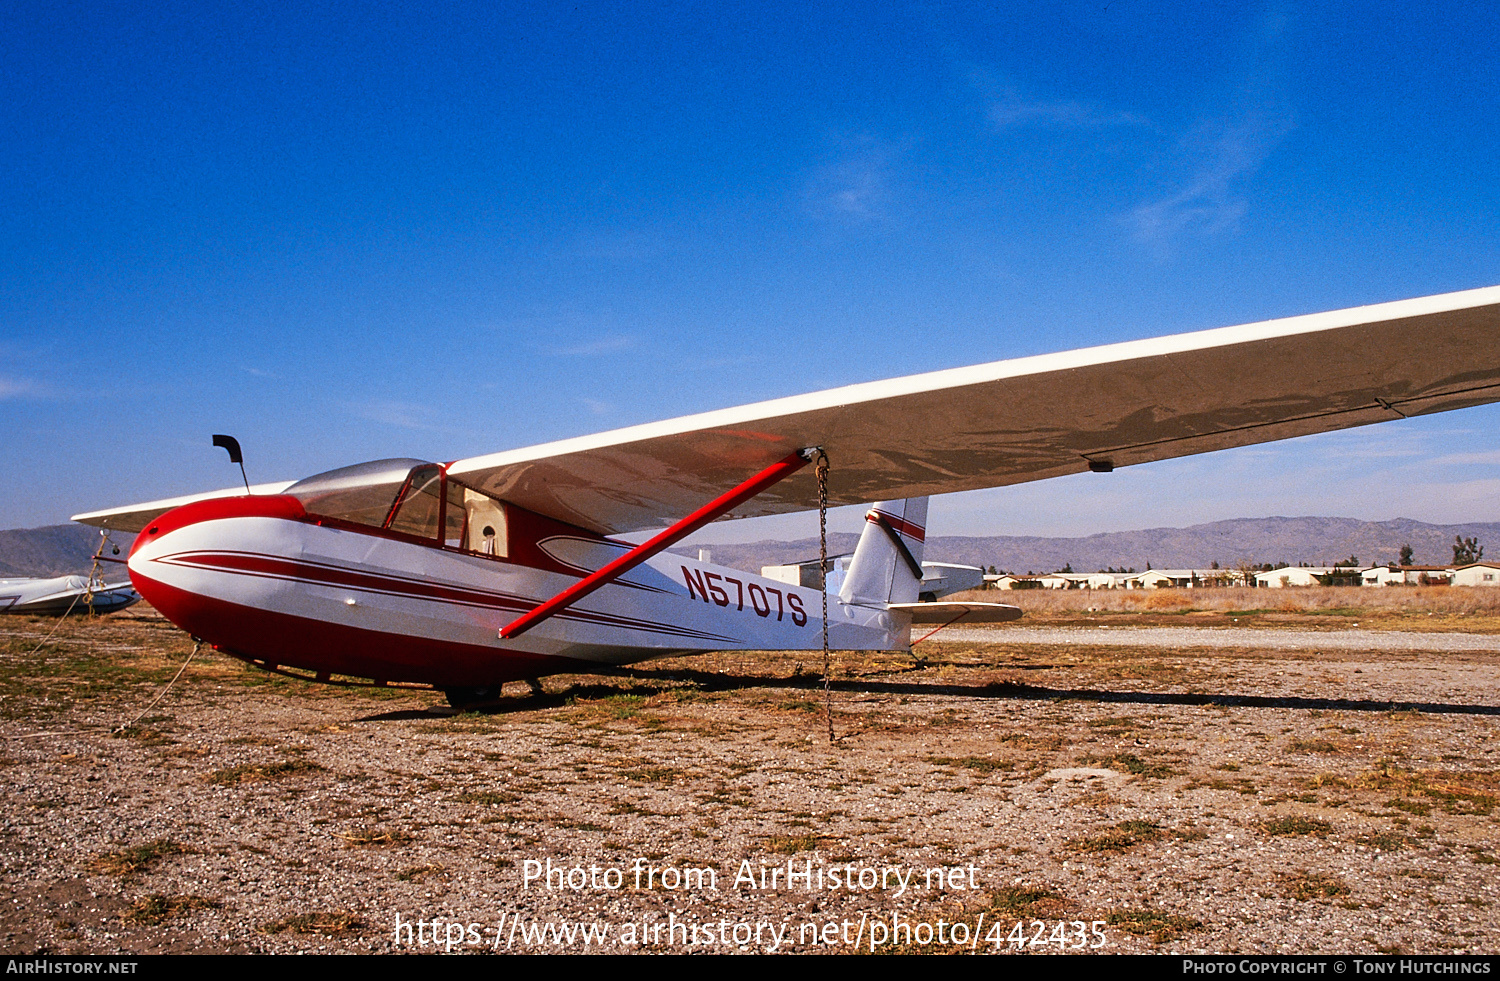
[[1169, 796], [1176, 638]]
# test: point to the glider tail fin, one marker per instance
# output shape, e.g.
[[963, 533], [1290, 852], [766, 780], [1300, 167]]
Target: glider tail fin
[[887, 564]]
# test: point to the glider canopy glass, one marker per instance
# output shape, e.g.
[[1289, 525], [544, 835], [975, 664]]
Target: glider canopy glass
[[411, 497]]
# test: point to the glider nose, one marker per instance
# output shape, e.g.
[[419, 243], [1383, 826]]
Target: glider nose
[[175, 538]]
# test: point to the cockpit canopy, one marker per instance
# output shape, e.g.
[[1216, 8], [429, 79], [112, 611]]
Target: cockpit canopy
[[412, 497], [364, 493]]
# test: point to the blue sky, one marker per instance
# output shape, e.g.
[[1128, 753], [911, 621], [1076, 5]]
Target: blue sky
[[354, 231]]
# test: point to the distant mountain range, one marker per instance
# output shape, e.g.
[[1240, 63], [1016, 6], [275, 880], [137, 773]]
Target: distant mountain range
[[56, 550], [1316, 541], [61, 549]]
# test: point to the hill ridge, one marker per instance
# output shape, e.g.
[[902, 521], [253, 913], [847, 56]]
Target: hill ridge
[[57, 550]]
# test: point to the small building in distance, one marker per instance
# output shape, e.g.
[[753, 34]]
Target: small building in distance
[[1478, 574], [1406, 575], [1167, 579], [1292, 576]]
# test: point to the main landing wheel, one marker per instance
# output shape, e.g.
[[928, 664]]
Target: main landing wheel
[[461, 698]]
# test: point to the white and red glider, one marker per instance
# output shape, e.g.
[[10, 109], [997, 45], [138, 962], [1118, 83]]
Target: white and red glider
[[466, 575]]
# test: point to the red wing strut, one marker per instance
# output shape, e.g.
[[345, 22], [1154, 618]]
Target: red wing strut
[[714, 509]]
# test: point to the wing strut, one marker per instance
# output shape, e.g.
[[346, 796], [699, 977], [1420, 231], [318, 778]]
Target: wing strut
[[708, 512]]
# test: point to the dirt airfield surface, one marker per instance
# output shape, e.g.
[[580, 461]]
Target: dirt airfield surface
[[1014, 797]]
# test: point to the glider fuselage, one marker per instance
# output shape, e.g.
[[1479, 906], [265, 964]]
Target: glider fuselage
[[264, 579]]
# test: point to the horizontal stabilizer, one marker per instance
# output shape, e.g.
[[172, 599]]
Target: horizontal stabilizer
[[965, 612]]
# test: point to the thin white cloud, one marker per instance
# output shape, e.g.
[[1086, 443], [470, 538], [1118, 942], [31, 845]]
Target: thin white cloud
[[595, 348], [719, 364], [403, 415], [1007, 109], [1225, 154], [856, 186], [1488, 457], [1464, 491], [1211, 201], [16, 388], [1373, 443], [1219, 157], [597, 407], [1006, 106], [566, 332], [1455, 502]]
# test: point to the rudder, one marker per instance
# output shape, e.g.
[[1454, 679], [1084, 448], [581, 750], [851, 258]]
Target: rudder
[[887, 563]]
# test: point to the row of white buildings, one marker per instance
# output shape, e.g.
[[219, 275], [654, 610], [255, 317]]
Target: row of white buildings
[[1477, 574]]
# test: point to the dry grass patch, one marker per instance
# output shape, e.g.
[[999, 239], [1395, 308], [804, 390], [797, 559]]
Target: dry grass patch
[[1130, 763], [1314, 746], [1023, 903], [1459, 792], [1022, 740], [1115, 724], [331, 923], [1244, 785], [655, 774], [1124, 835], [982, 764], [1243, 601], [419, 872], [615, 708], [157, 909], [374, 837], [492, 798], [1294, 825], [794, 844], [1384, 841], [1128, 834], [145, 735], [141, 858], [1304, 886], [1410, 806], [1326, 780], [1159, 926]]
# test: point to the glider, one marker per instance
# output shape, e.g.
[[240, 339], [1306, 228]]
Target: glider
[[465, 575]]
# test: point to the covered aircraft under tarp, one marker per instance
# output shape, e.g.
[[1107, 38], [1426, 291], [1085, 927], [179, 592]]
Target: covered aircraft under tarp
[[63, 595]]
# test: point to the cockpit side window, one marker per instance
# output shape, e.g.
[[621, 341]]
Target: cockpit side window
[[487, 533], [417, 512]]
